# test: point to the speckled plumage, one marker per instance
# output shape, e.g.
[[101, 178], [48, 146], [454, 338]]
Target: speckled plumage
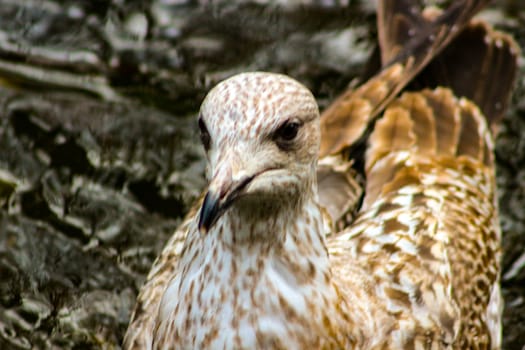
[[418, 268]]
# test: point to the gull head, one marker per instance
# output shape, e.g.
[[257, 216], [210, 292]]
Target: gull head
[[261, 135]]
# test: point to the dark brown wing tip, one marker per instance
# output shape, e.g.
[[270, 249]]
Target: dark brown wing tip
[[480, 64], [341, 127], [508, 52]]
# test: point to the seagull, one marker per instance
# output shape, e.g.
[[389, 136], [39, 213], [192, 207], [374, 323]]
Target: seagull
[[265, 260]]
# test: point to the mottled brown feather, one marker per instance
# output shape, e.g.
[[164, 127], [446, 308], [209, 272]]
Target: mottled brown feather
[[142, 324], [470, 142], [394, 132], [443, 232], [444, 107], [462, 232]]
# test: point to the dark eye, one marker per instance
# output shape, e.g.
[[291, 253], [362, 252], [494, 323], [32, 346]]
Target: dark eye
[[205, 135], [286, 133]]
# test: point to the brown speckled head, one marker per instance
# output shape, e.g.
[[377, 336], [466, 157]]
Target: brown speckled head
[[261, 133], [251, 106]]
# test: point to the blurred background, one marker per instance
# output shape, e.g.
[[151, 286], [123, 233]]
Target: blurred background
[[100, 158]]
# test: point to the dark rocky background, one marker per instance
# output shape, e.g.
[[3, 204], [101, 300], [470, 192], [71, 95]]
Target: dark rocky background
[[99, 157]]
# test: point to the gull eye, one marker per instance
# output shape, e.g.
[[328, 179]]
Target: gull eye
[[286, 133], [205, 135]]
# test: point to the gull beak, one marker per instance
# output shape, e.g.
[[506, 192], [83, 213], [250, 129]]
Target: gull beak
[[211, 210], [220, 197]]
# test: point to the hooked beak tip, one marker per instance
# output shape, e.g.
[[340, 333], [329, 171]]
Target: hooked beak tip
[[215, 203], [209, 213]]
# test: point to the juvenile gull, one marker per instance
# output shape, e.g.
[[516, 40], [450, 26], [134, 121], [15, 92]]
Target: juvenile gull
[[418, 268], [255, 271]]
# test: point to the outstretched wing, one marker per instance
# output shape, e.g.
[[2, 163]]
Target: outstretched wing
[[346, 120], [428, 231], [409, 37]]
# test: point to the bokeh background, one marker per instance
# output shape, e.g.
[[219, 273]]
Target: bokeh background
[[100, 159]]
